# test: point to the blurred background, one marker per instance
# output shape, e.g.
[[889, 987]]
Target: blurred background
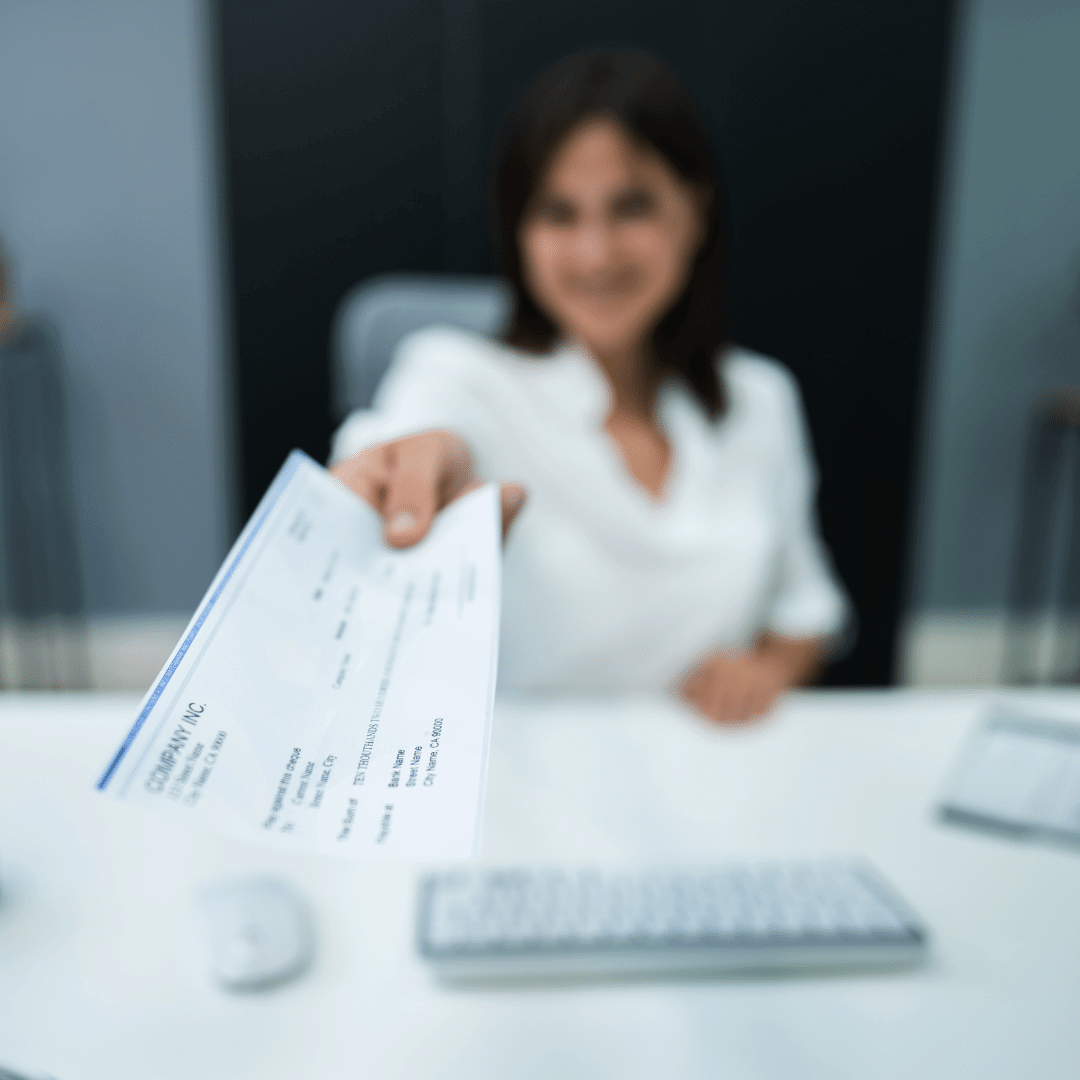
[[189, 187]]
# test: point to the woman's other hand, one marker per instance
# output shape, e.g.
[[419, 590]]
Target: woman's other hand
[[410, 480], [732, 688]]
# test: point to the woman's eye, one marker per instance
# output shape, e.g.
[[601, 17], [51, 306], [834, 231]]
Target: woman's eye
[[633, 204], [555, 212]]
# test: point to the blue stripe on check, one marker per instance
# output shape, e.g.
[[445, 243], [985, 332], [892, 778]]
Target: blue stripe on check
[[258, 519]]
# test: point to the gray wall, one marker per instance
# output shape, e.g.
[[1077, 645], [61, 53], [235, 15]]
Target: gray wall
[[108, 203], [1008, 311], [107, 207]]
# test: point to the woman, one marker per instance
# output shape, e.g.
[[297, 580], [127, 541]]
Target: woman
[[668, 539]]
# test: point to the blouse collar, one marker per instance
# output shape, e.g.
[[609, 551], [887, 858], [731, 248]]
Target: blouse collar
[[576, 384], [580, 390]]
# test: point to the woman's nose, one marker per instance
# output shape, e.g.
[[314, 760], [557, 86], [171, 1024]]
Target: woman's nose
[[592, 245]]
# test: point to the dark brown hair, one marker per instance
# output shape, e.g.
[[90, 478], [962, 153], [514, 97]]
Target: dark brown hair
[[643, 95]]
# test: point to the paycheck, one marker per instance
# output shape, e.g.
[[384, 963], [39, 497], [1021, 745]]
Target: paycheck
[[331, 694]]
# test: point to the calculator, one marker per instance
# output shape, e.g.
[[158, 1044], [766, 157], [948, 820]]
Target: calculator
[[1018, 775]]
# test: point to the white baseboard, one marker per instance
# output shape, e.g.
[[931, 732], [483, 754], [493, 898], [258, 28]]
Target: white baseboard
[[967, 648], [115, 652], [126, 652], [955, 648], [46, 653]]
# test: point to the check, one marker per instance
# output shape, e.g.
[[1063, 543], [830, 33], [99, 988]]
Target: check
[[331, 694]]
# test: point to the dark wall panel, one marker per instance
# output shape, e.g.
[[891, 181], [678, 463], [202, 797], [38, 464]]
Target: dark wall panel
[[358, 139], [332, 124]]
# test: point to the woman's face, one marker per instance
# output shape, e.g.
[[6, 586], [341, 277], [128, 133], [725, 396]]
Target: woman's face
[[608, 241]]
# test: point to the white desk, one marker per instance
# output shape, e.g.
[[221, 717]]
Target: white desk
[[97, 981]]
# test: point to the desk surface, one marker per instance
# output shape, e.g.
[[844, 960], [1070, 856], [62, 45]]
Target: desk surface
[[97, 980]]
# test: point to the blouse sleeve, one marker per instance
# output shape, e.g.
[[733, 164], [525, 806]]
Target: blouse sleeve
[[423, 389], [808, 601]]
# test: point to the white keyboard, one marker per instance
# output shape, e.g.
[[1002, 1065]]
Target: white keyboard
[[497, 924]]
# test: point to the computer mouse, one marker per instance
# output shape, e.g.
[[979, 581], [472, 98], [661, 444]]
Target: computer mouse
[[256, 932]]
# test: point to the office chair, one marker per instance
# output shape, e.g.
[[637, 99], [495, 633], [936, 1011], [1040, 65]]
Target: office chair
[[1043, 640], [375, 315]]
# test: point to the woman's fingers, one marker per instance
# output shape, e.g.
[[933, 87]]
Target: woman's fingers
[[732, 689], [415, 476], [365, 474], [425, 472], [734, 709], [511, 500], [410, 480], [710, 701]]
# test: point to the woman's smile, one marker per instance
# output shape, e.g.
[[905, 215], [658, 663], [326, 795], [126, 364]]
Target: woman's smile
[[613, 287]]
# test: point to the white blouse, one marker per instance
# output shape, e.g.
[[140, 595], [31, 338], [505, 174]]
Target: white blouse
[[605, 586]]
